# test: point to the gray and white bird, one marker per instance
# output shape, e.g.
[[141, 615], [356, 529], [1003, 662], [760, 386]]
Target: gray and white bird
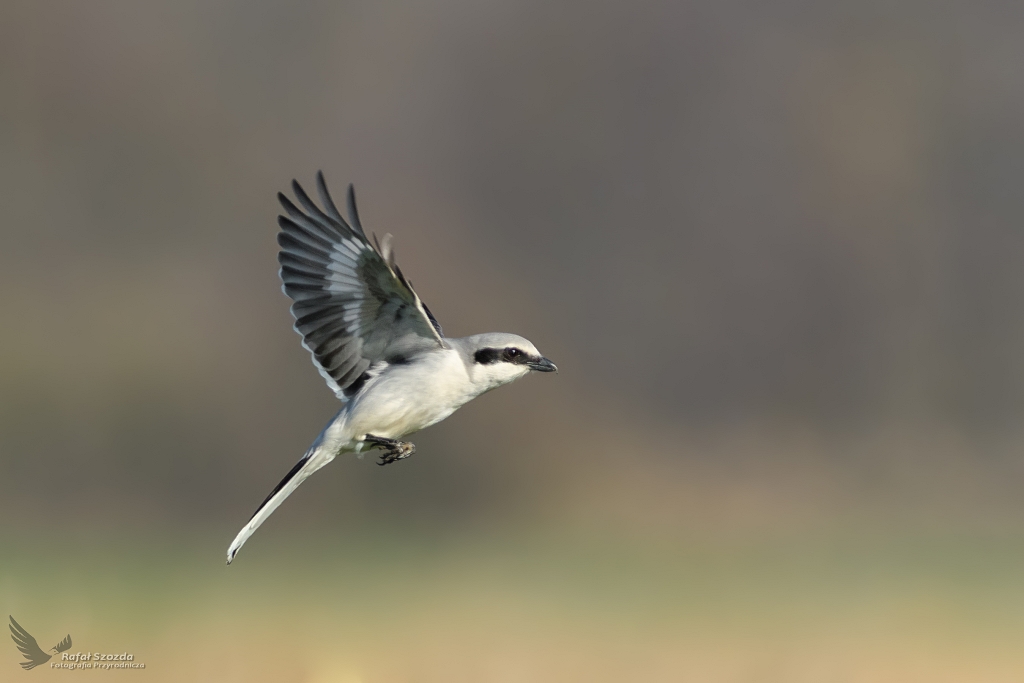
[[375, 342]]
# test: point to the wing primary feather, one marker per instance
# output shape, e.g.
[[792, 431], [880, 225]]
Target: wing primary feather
[[293, 211], [430, 316], [325, 199], [353, 214], [326, 228], [308, 238], [308, 203], [300, 261]]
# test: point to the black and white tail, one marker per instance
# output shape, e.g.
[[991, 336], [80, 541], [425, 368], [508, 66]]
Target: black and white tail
[[315, 458]]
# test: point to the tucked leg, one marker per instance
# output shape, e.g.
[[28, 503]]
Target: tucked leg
[[394, 450]]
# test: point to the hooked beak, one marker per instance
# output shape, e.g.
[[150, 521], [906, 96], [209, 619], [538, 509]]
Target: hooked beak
[[542, 365]]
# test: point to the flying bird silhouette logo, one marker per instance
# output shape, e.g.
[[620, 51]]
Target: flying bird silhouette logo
[[30, 648]]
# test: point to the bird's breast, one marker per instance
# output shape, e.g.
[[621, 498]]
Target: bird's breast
[[406, 398]]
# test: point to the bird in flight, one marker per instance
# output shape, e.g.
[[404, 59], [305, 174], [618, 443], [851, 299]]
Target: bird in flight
[[30, 648], [375, 342]]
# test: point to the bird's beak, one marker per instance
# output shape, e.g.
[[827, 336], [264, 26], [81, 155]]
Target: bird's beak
[[543, 365]]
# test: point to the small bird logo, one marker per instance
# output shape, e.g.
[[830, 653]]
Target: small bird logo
[[30, 648]]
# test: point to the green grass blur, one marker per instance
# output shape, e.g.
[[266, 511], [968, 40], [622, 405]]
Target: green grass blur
[[543, 606]]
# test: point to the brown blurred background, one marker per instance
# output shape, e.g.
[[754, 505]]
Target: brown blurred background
[[775, 249]]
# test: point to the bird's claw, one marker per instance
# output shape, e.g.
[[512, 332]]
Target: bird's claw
[[394, 450], [400, 450]]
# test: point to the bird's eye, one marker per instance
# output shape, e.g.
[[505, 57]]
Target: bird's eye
[[512, 354]]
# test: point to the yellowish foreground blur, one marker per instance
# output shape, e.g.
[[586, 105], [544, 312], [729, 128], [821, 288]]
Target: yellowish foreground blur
[[553, 606]]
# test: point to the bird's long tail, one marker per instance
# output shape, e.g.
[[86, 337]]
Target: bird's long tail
[[316, 457]]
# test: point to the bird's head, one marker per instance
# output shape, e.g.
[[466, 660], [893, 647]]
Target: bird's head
[[498, 358]]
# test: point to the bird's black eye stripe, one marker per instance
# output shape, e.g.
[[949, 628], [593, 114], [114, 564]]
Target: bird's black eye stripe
[[487, 356], [506, 355]]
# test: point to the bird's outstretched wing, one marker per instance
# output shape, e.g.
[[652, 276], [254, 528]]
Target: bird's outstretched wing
[[64, 644], [352, 305], [28, 646]]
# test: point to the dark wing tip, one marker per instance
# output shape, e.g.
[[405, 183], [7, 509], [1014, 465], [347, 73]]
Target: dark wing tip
[[325, 199], [430, 316], [286, 203], [353, 213]]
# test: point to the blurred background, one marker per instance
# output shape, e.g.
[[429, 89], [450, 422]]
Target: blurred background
[[774, 248]]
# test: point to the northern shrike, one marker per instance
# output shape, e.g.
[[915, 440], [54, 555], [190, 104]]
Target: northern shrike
[[375, 342]]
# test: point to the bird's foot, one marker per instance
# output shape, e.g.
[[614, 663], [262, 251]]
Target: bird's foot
[[394, 450]]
